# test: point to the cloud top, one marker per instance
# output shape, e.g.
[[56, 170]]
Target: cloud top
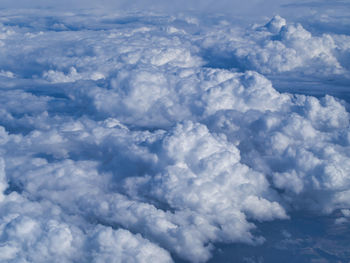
[[135, 138]]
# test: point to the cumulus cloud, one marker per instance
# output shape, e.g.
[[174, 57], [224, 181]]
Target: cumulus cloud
[[41, 231], [125, 138], [280, 46]]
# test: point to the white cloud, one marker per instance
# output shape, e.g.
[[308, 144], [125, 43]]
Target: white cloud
[[280, 46], [132, 137]]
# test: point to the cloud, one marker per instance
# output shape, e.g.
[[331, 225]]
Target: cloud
[[279, 47], [41, 232], [129, 137]]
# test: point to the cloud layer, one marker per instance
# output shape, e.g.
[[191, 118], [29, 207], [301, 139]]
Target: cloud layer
[[134, 138]]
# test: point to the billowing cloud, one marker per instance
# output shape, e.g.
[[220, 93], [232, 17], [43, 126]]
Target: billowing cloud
[[142, 138]]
